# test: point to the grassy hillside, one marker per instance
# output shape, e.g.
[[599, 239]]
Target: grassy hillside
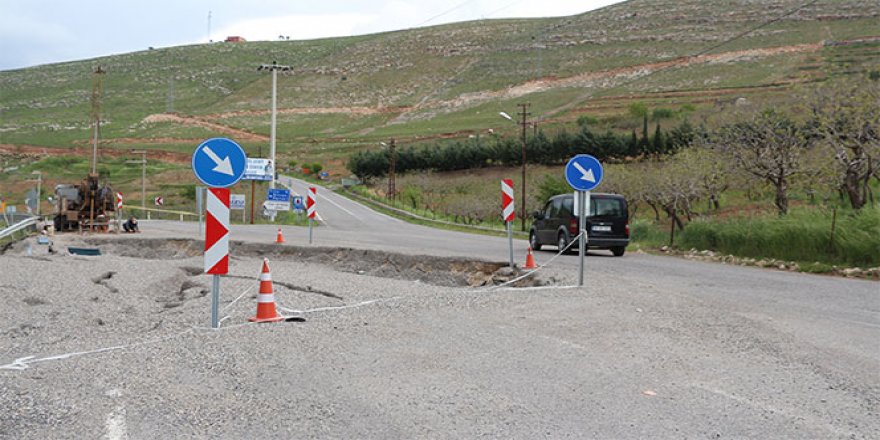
[[346, 94], [432, 74]]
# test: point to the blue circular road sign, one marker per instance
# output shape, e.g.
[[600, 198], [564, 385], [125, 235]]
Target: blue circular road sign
[[584, 172], [219, 162]]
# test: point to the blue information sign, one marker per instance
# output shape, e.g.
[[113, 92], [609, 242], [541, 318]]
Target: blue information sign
[[583, 172], [278, 195], [219, 162], [298, 203]]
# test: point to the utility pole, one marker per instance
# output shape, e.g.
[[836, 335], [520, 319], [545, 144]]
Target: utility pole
[[392, 166], [274, 68], [525, 114], [97, 89], [39, 175], [253, 186], [169, 102]]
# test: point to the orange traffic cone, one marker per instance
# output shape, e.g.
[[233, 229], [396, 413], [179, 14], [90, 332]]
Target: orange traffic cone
[[280, 237], [266, 299], [530, 260]]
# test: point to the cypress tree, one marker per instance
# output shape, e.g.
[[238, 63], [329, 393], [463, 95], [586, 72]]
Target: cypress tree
[[659, 146]]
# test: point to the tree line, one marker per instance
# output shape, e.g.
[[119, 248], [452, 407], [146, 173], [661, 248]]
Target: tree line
[[479, 152], [827, 144]]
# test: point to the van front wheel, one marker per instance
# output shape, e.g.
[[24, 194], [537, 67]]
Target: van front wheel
[[533, 241]]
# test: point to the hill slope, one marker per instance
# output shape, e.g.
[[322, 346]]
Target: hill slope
[[448, 80]]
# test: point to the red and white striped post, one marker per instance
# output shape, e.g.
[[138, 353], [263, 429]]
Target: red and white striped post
[[508, 212], [118, 210], [311, 195], [217, 245]]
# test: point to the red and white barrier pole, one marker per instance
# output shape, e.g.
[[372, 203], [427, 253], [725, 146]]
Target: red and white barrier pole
[[217, 245], [508, 212], [311, 195]]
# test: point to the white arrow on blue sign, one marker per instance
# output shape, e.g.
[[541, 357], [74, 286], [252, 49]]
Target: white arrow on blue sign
[[584, 172], [219, 162]]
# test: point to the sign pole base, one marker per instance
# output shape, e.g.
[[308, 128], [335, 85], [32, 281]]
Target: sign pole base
[[215, 302], [510, 242], [310, 230]]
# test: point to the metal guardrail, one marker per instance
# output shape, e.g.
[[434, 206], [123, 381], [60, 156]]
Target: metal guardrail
[[165, 211], [22, 225]]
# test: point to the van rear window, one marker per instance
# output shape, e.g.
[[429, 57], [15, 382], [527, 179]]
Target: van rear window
[[607, 208]]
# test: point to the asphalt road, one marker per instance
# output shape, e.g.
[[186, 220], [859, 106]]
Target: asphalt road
[[651, 347]]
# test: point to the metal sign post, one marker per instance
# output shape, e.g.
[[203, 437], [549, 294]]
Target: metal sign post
[[583, 210], [583, 173], [310, 208], [508, 212], [199, 195]]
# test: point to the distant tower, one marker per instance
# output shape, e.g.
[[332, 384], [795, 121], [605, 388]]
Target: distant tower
[[169, 103], [209, 26]]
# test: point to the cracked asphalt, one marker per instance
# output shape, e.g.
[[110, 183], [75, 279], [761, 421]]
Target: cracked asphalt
[[118, 346]]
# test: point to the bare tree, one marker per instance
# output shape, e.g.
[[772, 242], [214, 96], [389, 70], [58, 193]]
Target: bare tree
[[846, 118], [709, 167], [768, 145]]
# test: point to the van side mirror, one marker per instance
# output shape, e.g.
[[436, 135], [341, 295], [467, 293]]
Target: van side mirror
[[538, 215]]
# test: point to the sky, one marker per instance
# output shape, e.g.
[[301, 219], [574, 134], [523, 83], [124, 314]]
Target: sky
[[34, 32]]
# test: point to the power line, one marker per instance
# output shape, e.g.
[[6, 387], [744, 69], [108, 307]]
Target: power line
[[503, 8], [699, 53], [444, 13]]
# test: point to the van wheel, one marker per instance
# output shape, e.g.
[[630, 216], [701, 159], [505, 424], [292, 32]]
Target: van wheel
[[562, 242], [618, 250], [533, 241]]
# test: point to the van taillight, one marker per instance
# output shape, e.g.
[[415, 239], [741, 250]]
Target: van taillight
[[573, 226], [627, 229]]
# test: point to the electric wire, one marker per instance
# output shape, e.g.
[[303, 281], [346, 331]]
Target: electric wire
[[705, 51]]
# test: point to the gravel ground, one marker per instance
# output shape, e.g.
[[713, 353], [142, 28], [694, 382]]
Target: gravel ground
[[376, 357]]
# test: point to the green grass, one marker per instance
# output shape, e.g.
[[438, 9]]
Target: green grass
[[803, 235]]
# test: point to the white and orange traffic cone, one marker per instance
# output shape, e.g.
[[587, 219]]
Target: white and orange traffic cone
[[266, 299], [530, 260], [280, 237]]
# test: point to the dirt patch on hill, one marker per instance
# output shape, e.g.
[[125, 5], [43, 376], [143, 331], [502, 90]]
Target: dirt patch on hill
[[35, 150], [199, 122]]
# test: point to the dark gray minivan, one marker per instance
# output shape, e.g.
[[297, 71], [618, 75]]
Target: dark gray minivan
[[607, 223]]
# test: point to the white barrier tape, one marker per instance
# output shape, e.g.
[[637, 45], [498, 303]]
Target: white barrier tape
[[536, 288], [25, 362], [239, 297], [530, 273], [334, 308]]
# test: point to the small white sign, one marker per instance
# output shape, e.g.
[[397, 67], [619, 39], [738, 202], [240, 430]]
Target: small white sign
[[274, 205], [236, 201]]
